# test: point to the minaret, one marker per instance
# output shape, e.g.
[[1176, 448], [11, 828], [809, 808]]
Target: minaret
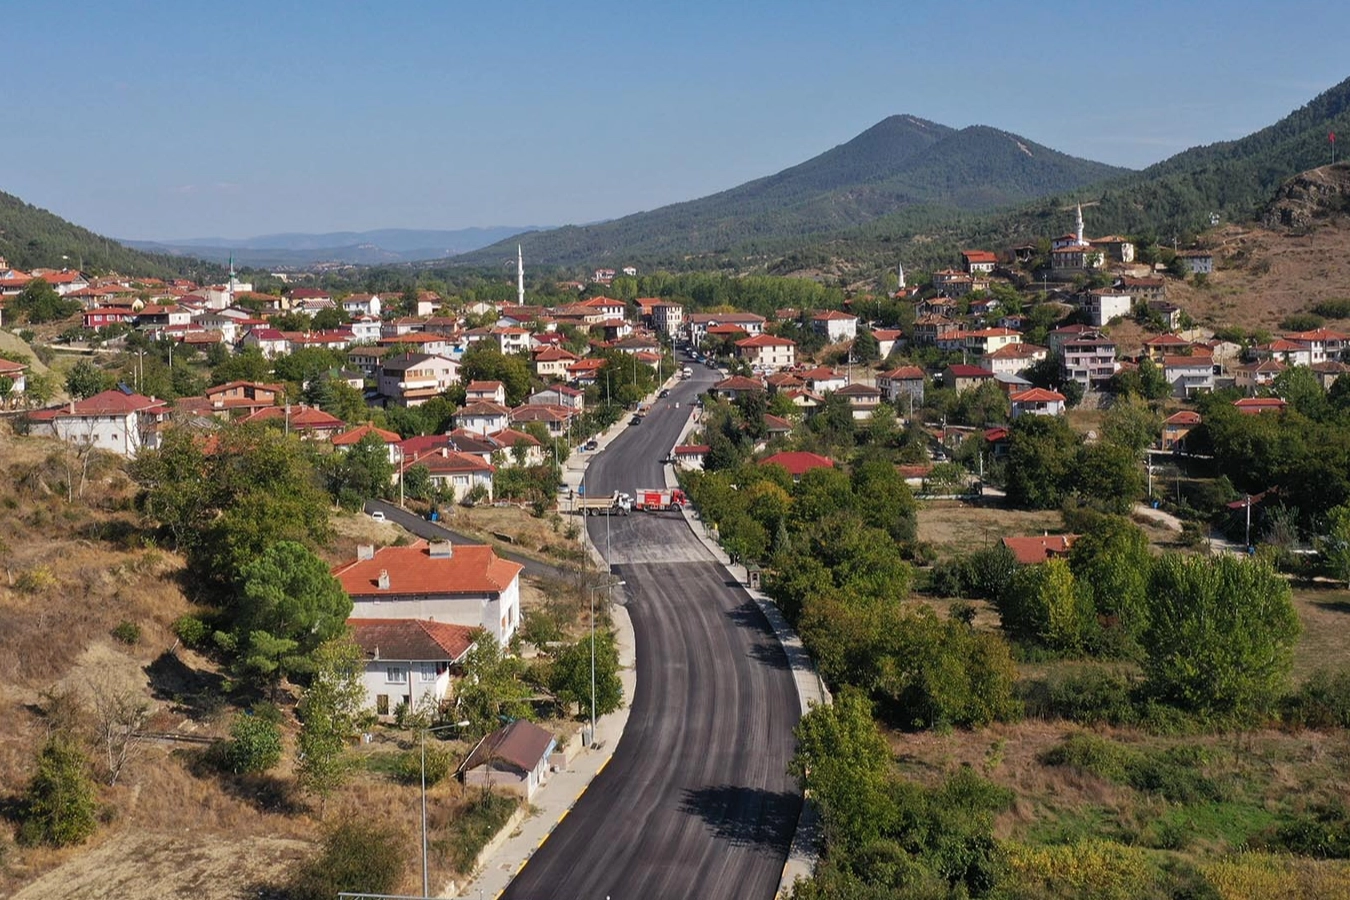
[[520, 276], [229, 287], [1078, 226], [900, 277]]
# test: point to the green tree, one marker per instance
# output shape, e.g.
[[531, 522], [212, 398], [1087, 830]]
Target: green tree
[[1045, 604], [336, 397], [39, 303], [569, 676], [255, 741], [884, 501], [247, 365], [1129, 423], [330, 715], [1108, 477], [174, 489], [59, 807], [1220, 635], [86, 379], [1299, 387], [359, 855], [287, 604], [1042, 452], [360, 473], [485, 363], [1111, 561], [865, 347], [493, 688], [1153, 384], [1334, 542], [303, 366]]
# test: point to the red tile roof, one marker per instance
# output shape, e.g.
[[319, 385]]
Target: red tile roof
[[355, 436], [1184, 417], [798, 462], [960, 370], [412, 639], [412, 570], [1252, 405], [1037, 395], [1031, 550], [764, 340], [301, 417]]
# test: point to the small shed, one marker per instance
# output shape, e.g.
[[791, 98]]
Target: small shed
[[752, 576], [515, 758]]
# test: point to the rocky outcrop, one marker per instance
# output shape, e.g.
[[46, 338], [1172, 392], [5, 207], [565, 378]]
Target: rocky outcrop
[[1310, 196]]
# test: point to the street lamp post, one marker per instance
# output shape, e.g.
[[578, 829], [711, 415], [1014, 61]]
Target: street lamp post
[[606, 587], [426, 888]]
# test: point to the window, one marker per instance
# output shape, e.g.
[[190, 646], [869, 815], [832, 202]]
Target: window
[[395, 675], [381, 704], [428, 672]]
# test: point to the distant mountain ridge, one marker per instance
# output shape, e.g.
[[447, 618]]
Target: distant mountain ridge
[[902, 161], [298, 249]]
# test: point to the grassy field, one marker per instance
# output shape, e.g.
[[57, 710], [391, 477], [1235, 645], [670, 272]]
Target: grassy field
[[955, 528]]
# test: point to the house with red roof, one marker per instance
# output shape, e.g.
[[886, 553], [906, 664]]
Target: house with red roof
[[309, 422], [270, 342], [962, 377], [1188, 375], [1253, 405], [835, 325], [736, 385], [120, 422], [18, 379], [690, 456], [798, 462], [863, 399], [465, 584], [554, 418], [552, 362], [767, 352], [349, 439], [1028, 551], [453, 471], [409, 661], [1175, 428], [585, 371], [979, 262], [491, 391], [482, 416], [902, 381], [1037, 402], [1254, 376], [243, 397]]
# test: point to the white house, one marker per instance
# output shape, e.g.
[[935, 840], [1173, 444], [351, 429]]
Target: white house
[[365, 329], [835, 325], [1104, 304], [512, 340], [408, 661], [16, 373], [515, 758], [116, 421], [465, 585], [1198, 262], [270, 342], [414, 378], [491, 391], [764, 351], [482, 417], [1188, 375], [362, 305], [1037, 402], [667, 318]]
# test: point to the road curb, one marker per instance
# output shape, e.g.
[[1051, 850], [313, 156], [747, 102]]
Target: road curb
[[804, 852]]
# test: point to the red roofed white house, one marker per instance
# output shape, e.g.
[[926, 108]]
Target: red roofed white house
[[835, 325], [408, 661], [1037, 402], [17, 375], [764, 351], [120, 422], [1031, 550], [979, 261], [465, 585], [962, 377]]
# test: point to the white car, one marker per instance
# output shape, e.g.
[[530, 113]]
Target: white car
[[378, 516]]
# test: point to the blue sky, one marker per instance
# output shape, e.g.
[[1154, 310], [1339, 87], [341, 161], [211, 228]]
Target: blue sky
[[185, 119]]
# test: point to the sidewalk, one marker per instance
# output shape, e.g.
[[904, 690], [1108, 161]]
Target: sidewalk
[[811, 690]]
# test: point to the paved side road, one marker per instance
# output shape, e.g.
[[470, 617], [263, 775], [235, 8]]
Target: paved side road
[[435, 532]]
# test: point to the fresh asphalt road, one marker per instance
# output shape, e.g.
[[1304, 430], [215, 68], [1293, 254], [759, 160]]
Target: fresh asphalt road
[[434, 532], [696, 801]]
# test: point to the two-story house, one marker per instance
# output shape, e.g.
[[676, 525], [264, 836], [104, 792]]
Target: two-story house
[[412, 379], [1090, 359], [767, 353]]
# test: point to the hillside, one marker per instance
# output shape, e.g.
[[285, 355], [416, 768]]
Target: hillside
[[31, 237], [902, 162], [381, 246]]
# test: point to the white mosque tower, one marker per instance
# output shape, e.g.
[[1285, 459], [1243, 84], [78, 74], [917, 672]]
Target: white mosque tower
[[520, 276], [900, 276], [1078, 226]]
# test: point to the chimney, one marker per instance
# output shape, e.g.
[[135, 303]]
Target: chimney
[[441, 549], [365, 551], [383, 583]]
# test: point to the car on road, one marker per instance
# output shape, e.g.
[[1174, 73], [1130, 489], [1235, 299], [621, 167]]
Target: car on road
[[590, 445], [665, 392], [378, 516], [636, 420]]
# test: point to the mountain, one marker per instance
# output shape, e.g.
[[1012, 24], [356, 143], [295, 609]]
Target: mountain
[[1233, 181], [901, 162], [385, 245], [31, 237]]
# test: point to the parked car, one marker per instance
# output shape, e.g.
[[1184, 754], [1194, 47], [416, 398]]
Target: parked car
[[636, 420], [378, 516], [590, 445], [665, 392]]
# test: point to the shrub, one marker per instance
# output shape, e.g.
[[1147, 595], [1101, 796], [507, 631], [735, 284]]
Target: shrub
[[1333, 309], [255, 741], [440, 763], [59, 807], [1100, 870], [1301, 322], [1323, 701], [35, 581], [358, 855], [127, 632], [1173, 773], [1093, 696], [191, 630], [1103, 758], [476, 825], [1323, 832]]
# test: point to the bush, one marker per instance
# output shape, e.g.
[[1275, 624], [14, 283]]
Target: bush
[[1174, 773], [127, 632], [1301, 322], [358, 855], [1087, 751], [255, 741], [1333, 309], [440, 763], [191, 630], [59, 808], [1323, 701], [1323, 833], [1095, 696]]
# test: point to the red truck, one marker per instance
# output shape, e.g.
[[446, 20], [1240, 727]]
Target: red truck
[[653, 499]]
